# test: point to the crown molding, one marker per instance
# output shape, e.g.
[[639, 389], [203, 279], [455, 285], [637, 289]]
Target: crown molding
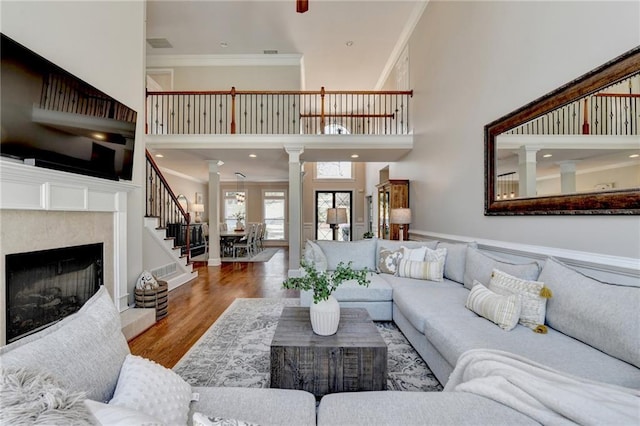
[[278, 60], [416, 14]]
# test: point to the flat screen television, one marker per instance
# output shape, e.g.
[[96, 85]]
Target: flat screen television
[[51, 118]]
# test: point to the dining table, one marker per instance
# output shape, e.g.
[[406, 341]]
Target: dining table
[[228, 239]]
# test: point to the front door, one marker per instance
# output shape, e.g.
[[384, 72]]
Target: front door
[[333, 199]]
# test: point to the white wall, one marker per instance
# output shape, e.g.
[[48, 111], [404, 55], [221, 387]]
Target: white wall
[[473, 62], [103, 44], [242, 77]]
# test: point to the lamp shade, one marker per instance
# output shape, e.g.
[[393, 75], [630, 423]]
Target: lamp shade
[[197, 208], [400, 216], [336, 216]]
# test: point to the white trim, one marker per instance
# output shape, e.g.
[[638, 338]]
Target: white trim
[[617, 269], [281, 60]]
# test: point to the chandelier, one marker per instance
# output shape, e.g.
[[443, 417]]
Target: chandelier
[[240, 195]]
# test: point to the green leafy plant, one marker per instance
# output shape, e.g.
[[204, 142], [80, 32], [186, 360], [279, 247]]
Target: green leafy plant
[[367, 235], [323, 283]]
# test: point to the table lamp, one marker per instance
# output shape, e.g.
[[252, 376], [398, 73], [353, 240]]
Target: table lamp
[[336, 216], [400, 217]]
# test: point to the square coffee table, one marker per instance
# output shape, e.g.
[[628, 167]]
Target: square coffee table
[[353, 359]]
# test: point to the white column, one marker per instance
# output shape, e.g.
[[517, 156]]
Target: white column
[[527, 171], [214, 214], [295, 208], [567, 177]]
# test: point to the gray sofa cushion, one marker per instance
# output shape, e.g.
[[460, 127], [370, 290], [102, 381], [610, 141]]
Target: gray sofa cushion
[[86, 349], [415, 408], [419, 299], [350, 291], [456, 259], [479, 266], [259, 406], [605, 316], [453, 335], [362, 253]]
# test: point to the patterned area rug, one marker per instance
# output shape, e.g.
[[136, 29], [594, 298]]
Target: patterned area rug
[[263, 256], [235, 350]]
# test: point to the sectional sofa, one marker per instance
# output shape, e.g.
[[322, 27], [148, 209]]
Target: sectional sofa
[[589, 329], [592, 334]]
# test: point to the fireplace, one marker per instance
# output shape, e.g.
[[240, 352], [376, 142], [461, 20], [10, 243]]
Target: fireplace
[[42, 287]]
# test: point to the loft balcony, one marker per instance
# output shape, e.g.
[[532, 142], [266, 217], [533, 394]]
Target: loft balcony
[[236, 112]]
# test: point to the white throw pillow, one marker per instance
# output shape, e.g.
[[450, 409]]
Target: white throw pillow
[[534, 305], [420, 270], [114, 415], [153, 389], [200, 419], [502, 310], [388, 261], [438, 256], [415, 254]]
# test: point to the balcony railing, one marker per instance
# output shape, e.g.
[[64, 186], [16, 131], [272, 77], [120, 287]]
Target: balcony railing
[[282, 112]]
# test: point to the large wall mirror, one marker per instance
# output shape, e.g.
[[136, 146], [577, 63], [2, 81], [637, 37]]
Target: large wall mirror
[[575, 150]]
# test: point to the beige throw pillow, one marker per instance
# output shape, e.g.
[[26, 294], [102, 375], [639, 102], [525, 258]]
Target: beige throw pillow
[[388, 261], [531, 293], [420, 270], [502, 310]]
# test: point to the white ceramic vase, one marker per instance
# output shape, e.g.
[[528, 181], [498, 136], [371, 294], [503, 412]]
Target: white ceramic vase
[[325, 316]]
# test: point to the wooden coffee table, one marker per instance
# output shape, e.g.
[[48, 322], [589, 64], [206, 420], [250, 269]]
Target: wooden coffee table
[[353, 359]]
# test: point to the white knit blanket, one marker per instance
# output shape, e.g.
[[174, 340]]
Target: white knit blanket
[[546, 395]]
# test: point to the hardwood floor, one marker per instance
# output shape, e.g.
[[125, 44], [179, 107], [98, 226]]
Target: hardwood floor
[[194, 306]]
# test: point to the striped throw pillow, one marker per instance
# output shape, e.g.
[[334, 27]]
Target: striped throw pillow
[[502, 310], [534, 299], [419, 270]]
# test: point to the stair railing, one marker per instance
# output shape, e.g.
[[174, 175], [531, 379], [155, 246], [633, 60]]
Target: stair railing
[[161, 202], [278, 112]]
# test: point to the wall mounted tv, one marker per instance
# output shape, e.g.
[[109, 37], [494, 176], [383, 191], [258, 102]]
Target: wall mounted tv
[[51, 118]]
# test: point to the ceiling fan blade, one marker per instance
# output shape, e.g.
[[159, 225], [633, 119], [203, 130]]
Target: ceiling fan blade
[[302, 6]]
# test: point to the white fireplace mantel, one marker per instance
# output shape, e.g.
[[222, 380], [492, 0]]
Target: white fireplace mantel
[[24, 187]]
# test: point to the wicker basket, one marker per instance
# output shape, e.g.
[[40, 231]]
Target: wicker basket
[[157, 298]]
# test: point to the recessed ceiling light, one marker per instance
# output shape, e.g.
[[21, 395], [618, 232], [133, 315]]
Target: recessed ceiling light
[[354, 156], [159, 155], [252, 155], [349, 43], [634, 156], [548, 155]]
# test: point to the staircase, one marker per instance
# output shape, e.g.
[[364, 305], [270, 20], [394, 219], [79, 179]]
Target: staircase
[[162, 255], [175, 268]]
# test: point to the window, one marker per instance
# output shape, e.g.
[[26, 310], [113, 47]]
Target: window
[[335, 129], [234, 208], [334, 170], [275, 207]]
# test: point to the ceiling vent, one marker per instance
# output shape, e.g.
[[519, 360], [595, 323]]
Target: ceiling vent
[[270, 52], [159, 43]]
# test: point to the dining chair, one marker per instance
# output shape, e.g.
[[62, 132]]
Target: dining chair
[[246, 243]]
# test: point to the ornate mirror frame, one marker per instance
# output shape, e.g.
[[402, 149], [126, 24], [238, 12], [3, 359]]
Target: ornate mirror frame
[[618, 202]]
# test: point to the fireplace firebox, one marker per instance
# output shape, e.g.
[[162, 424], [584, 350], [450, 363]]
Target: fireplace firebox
[[43, 287]]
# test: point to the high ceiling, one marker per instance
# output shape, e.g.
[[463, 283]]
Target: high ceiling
[[343, 45]]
